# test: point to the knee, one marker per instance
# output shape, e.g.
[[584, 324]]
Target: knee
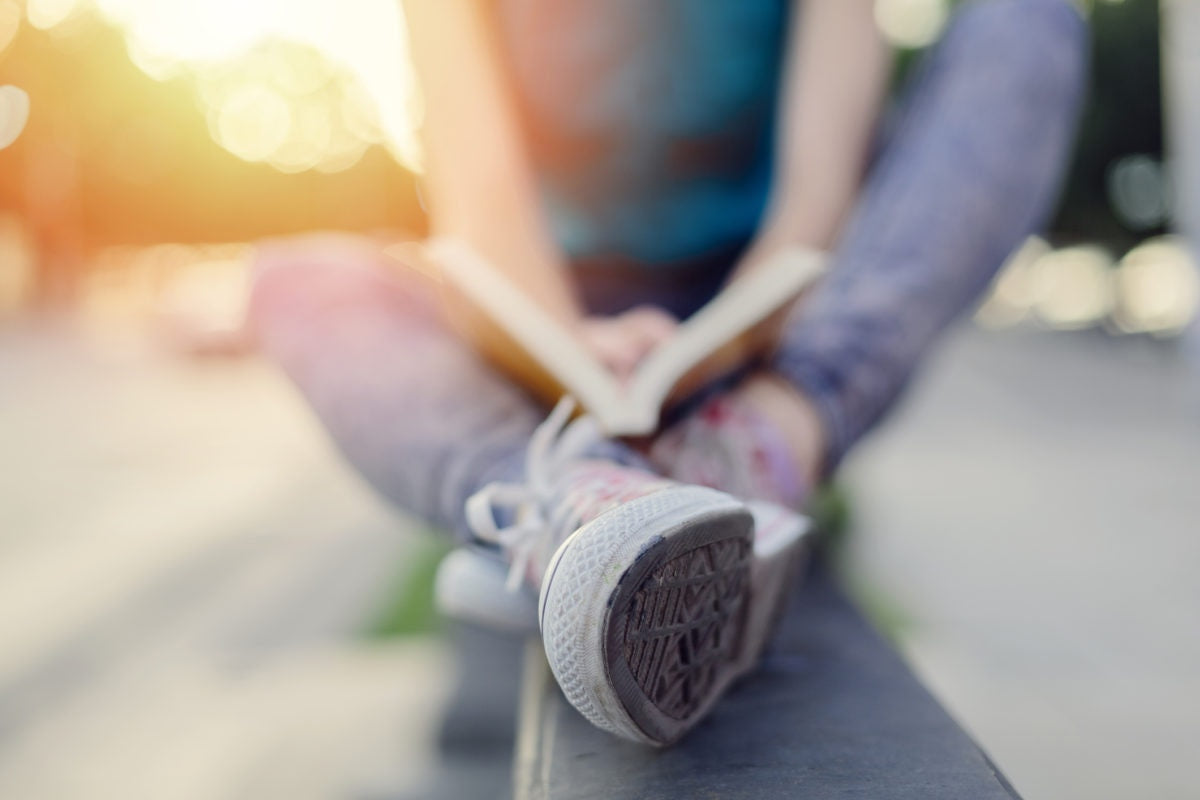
[[1041, 44], [292, 279]]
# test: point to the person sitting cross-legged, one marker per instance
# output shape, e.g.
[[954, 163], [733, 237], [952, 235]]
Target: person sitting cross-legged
[[621, 162]]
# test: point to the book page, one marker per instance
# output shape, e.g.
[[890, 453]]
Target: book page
[[632, 410], [744, 303], [544, 339]]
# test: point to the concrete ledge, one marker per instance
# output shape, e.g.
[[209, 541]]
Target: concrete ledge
[[832, 713]]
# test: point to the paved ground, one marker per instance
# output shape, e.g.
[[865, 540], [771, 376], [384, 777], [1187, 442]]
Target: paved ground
[[1034, 514], [183, 573], [184, 569]]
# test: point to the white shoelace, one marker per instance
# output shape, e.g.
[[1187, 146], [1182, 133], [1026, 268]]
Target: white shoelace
[[554, 446]]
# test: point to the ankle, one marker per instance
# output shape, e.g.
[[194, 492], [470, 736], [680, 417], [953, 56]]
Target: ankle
[[792, 416]]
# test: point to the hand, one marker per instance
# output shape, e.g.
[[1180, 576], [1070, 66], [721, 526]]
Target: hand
[[621, 342]]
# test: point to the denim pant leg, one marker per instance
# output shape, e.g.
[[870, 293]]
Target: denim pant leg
[[971, 168], [411, 407]]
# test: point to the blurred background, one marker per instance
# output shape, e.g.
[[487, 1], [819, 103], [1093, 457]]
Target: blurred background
[[198, 601]]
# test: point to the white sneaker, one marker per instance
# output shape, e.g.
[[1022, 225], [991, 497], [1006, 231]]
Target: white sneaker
[[470, 587], [653, 594]]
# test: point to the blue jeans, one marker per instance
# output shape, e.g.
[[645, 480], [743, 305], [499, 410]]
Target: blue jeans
[[968, 166]]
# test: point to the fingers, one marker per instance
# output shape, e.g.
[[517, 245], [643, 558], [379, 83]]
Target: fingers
[[621, 342], [650, 325], [615, 346]]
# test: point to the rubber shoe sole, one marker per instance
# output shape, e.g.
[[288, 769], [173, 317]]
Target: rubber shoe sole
[[645, 612]]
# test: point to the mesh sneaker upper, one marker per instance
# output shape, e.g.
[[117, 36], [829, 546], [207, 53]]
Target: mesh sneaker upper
[[562, 491]]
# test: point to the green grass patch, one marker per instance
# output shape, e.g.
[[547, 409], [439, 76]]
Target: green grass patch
[[832, 511], [887, 617], [829, 509], [407, 608]]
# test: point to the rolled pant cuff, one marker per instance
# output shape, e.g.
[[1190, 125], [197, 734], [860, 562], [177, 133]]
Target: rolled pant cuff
[[822, 387]]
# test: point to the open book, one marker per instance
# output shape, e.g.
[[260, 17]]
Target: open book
[[631, 408]]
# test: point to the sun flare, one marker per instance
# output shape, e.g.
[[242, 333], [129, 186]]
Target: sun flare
[[299, 84]]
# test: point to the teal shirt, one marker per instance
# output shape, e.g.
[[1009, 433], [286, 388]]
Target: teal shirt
[[650, 121]]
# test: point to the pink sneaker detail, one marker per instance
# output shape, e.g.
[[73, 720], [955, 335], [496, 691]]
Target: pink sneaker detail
[[728, 446], [597, 486], [562, 491], [655, 596]]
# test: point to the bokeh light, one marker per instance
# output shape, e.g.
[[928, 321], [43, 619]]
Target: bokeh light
[[253, 121], [911, 23], [1073, 286], [18, 259], [14, 113], [1137, 189], [1158, 288], [10, 22], [46, 14], [1154, 289], [1014, 292], [298, 85]]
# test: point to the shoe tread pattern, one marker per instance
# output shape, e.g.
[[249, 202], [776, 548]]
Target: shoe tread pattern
[[678, 636], [577, 577]]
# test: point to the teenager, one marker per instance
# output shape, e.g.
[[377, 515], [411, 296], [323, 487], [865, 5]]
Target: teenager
[[621, 161]]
